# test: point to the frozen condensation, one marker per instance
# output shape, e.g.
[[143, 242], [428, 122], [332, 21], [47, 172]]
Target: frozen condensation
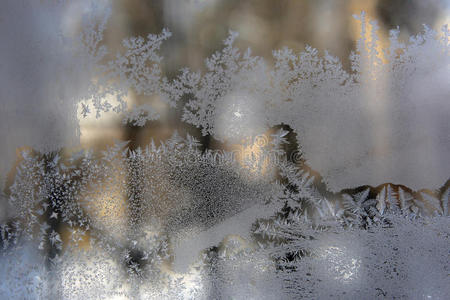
[[173, 220]]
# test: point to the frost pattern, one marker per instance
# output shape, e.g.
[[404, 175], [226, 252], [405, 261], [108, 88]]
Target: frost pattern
[[109, 224], [49, 72], [175, 221], [373, 118], [384, 116]]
